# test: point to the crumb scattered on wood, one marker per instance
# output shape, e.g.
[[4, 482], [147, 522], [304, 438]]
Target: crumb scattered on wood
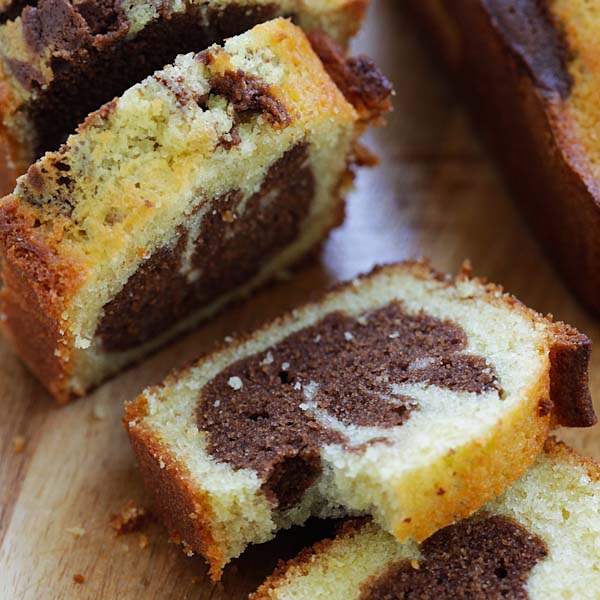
[[78, 578], [76, 531], [19, 443], [131, 518], [99, 412], [196, 580], [143, 541], [363, 157]]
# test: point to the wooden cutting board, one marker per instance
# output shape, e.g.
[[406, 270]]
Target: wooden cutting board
[[435, 194]]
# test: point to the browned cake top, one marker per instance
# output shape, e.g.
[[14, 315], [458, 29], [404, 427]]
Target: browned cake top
[[259, 413], [487, 558]]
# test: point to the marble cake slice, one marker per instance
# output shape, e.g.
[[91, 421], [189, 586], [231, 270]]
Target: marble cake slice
[[191, 189], [528, 70], [539, 541], [405, 395], [61, 59]]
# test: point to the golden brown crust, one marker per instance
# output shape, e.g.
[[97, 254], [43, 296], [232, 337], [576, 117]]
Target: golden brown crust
[[559, 449], [35, 285], [527, 127], [185, 510]]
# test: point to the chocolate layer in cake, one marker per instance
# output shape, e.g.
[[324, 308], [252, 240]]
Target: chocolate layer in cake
[[479, 558], [228, 250], [261, 413]]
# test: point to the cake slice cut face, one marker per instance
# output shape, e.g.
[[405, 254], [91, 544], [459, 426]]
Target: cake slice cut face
[[538, 541], [50, 53], [403, 395], [191, 189]]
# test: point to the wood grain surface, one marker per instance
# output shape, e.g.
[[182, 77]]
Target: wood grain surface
[[435, 194]]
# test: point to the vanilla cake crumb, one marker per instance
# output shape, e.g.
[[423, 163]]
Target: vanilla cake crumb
[[235, 383]]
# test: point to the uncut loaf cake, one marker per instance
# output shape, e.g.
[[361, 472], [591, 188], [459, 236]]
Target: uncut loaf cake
[[540, 540], [190, 190], [55, 48], [530, 73], [404, 394]]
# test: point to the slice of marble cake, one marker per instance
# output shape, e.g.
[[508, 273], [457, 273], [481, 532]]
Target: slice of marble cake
[[190, 190], [405, 395], [538, 541]]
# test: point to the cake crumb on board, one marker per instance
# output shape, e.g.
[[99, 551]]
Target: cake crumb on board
[[132, 517], [19, 443], [76, 532]]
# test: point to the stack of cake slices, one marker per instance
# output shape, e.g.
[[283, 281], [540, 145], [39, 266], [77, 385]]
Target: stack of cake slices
[[415, 405]]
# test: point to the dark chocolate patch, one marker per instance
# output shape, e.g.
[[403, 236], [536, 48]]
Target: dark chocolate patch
[[292, 476], [55, 24], [479, 558], [535, 37], [255, 412], [229, 250], [247, 93], [237, 18], [569, 378], [90, 44], [358, 78], [103, 18]]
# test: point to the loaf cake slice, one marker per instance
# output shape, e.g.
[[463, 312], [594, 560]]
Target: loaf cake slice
[[540, 540], [55, 48], [404, 395], [530, 74], [190, 190]]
